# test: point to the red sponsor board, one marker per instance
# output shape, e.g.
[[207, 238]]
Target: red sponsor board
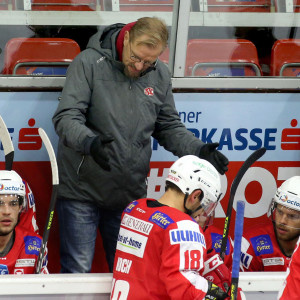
[[257, 188]]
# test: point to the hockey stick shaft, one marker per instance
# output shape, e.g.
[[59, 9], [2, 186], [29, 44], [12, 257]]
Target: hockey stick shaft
[[238, 233], [246, 165], [55, 182], [7, 145]]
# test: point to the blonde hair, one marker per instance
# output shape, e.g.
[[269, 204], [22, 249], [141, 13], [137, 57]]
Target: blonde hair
[[155, 28]]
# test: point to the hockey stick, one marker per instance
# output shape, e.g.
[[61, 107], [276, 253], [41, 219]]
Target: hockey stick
[[55, 182], [246, 165], [238, 232], [7, 145]]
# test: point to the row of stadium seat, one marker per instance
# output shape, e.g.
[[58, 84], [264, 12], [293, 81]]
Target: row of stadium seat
[[146, 5], [214, 57]]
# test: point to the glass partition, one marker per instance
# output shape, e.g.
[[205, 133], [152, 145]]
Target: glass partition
[[222, 38]]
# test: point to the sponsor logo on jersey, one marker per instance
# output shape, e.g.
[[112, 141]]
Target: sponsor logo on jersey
[[161, 219], [123, 265], [19, 271], [3, 270], [131, 206], [179, 236], [273, 261], [30, 199], [27, 262], [32, 245], [131, 242], [246, 259], [216, 240], [136, 224], [262, 244]]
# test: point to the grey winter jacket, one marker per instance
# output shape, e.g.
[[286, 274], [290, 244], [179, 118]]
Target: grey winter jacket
[[99, 100]]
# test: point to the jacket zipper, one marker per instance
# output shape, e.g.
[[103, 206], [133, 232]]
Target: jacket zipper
[[81, 162]]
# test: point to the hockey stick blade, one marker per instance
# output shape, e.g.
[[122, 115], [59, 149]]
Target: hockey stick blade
[[7, 145], [55, 182], [246, 165], [238, 233]]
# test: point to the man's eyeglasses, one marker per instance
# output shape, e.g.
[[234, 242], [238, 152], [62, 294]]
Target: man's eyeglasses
[[12, 204], [135, 58]]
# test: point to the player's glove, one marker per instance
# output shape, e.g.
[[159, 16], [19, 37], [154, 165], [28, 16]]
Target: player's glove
[[99, 154], [215, 293], [215, 157], [217, 272], [240, 294]]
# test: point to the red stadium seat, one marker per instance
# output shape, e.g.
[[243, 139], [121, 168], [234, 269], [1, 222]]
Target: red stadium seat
[[64, 5], [238, 6], [228, 57], [285, 58], [296, 5], [7, 4], [3, 5], [145, 5], [39, 56]]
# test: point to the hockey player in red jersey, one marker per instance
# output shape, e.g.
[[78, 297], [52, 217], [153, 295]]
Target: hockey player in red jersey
[[19, 247], [291, 283], [269, 246], [161, 249], [215, 269], [213, 236]]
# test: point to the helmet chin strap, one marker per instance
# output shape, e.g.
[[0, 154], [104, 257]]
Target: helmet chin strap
[[189, 211]]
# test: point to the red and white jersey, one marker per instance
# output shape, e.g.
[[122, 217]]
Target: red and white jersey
[[291, 284], [28, 214], [213, 236], [159, 254], [22, 257], [260, 250]]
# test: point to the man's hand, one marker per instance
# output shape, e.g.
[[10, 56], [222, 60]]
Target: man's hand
[[215, 293], [215, 157], [217, 272], [99, 154]]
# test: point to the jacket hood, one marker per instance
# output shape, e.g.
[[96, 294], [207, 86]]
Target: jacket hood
[[104, 41]]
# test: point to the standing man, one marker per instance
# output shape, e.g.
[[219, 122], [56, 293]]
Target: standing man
[[19, 247], [269, 246], [116, 96], [161, 249]]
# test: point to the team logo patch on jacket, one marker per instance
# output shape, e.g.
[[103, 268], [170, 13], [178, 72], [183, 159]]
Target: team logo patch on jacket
[[262, 244], [149, 91], [161, 219], [32, 245]]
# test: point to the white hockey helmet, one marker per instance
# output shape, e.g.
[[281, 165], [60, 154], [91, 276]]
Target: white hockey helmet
[[190, 173], [288, 194], [11, 183]]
